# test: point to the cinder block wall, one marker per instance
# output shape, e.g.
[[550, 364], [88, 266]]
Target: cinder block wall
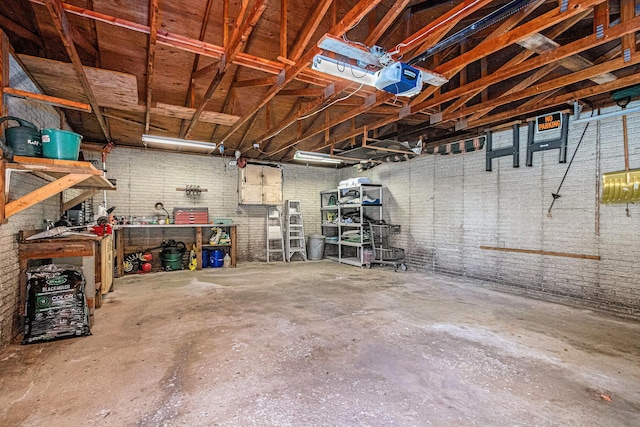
[[145, 177], [449, 206], [31, 218]]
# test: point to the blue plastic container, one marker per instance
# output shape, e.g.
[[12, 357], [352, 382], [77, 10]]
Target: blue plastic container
[[216, 258], [205, 258]]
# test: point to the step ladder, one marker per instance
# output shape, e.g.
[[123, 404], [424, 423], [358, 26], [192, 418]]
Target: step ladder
[[294, 241], [275, 241]]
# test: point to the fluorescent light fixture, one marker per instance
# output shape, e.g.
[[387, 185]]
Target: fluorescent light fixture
[[343, 69], [309, 156], [154, 139]]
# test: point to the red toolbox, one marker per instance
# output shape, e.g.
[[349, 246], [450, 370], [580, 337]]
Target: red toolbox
[[190, 215]]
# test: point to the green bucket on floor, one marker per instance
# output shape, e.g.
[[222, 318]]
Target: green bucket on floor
[[171, 262], [60, 144]]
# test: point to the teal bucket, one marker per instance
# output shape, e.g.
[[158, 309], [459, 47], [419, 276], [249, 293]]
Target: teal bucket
[[60, 144]]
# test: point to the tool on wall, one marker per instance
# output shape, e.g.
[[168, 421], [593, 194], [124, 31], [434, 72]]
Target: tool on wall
[[623, 186], [192, 190], [556, 195]]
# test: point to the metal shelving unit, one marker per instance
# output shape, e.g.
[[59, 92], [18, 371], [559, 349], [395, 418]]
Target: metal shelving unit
[[357, 206], [329, 223]]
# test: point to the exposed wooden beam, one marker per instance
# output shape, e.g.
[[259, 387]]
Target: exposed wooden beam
[[356, 13], [191, 45], [225, 24], [502, 74], [236, 45], [4, 111], [133, 122], [78, 199], [380, 97], [392, 14], [529, 110], [284, 5], [430, 34], [308, 93], [627, 12], [51, 100], [62, 25], [262, 81], [309, 27], [84, 44], [518, 59], [44, 193], [154, 22], [5, 48], [557, 83], [20, 31]]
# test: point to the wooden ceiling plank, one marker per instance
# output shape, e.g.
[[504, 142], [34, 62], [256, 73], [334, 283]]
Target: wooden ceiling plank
[[355, 14], [237, 43], [62, 26], [154, 22], [306, 32], [19, 30], [50, 100], [392, 14]]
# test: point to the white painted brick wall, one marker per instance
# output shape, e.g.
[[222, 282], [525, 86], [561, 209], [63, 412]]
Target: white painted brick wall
[[147, 177], [448, 206], [20, 184]]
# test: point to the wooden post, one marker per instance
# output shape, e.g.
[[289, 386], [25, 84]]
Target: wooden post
[[198, 248], [234, 246], [119, 252], [4, 111]]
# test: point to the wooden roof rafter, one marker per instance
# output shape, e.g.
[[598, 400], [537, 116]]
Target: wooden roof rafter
[[237, 43], [154, 22], [291, 71], [57, 13]]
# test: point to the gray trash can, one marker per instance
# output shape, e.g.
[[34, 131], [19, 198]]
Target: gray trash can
[[315, 250]]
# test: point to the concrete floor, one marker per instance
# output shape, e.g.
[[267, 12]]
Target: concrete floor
[[322, 344]]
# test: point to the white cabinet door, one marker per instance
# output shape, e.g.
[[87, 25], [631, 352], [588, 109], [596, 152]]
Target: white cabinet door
[[260, 185], [271, 186], [251, 185]]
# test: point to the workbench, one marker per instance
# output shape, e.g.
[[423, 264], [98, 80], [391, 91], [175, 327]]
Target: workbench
[[96, 253], [120, 231]]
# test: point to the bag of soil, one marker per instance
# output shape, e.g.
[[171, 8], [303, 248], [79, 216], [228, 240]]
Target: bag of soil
[[56, 306]]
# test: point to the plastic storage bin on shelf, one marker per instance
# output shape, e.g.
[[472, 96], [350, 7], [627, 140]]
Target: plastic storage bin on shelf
[[60, 144]]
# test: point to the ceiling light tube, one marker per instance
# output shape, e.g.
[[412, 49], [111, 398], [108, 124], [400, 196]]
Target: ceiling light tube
[[343, 69], [165, 140], [309, 156]]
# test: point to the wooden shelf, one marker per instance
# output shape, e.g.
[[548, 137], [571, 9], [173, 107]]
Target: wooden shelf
[[61, 174]]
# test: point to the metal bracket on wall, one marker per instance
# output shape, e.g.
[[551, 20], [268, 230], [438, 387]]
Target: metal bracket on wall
[[560, 143], [514, 150]]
